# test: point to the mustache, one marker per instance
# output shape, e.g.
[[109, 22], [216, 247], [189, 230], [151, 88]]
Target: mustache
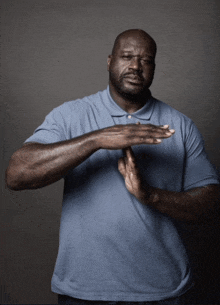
[[135, 75]]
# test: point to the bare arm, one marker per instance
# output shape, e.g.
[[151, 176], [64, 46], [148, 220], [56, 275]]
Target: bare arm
[[36, 165], [196, 204]]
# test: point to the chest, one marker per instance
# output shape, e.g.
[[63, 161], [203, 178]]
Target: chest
[[162, 165]]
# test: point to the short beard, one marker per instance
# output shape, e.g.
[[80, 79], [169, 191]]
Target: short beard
[[129, 95], [133, 96]]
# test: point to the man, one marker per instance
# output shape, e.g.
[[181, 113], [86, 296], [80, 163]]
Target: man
[[134, 168]]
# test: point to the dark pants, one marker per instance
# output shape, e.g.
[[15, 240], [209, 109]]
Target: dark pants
[[66, 300]]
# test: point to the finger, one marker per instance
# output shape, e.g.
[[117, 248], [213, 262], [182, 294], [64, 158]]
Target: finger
[[150, 130], [129, 154], [125, 159], [164, 126], [163, 130], [150, 141], [130, 161], [156, 131], [122, 166]]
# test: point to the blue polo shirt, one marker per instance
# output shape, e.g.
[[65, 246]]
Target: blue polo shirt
[[111, 246]]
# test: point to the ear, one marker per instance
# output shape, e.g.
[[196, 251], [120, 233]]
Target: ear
[[109, 61]]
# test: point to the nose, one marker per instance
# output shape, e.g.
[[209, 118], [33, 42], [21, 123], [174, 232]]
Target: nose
[[135, 64]]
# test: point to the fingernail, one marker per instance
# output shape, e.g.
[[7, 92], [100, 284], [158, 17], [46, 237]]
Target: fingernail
[[165, 126], [172, 130], [158, 140]]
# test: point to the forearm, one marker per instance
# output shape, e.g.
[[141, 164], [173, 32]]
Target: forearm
[[36, 165], [193, 205], [196, 204]]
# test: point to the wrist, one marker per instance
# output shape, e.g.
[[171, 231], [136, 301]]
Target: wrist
[[96, 139], [145, 194], [92, 141]]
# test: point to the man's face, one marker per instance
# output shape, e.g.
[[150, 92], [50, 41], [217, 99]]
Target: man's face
[[131, 66]]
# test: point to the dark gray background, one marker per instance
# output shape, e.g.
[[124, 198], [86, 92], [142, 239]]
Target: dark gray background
[[55, 51]]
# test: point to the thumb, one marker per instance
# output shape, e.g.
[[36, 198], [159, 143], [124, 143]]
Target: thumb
[[122, 166]]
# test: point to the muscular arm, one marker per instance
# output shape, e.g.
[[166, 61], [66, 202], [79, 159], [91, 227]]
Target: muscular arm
[[36, 165], [195, 204]]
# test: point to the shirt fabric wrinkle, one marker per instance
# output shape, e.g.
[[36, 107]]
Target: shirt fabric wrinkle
[[111, 247]]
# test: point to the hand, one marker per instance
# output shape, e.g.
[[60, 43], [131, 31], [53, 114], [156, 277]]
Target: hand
[[122, 136], [133, 181]]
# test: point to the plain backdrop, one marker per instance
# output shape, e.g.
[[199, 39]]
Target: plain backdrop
[[55, 51]]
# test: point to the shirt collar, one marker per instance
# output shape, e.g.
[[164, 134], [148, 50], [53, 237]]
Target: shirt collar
[[144, 113]]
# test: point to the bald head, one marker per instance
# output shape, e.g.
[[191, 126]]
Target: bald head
[[131, 66], [138, 35]]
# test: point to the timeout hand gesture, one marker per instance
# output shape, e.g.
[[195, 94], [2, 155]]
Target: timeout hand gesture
[[128, 168], [122, 136]]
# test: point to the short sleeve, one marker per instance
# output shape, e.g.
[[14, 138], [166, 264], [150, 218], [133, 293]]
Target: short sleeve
[[198, 169], [53, 129]]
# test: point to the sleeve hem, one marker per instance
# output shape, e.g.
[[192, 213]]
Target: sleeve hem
[[201, 183], [35, 141]]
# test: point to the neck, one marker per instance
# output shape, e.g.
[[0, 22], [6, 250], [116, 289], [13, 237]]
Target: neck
[[129, 103]]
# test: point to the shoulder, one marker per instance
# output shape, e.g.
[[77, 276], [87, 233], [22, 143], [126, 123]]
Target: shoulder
[[80, 106], [83, 104], [167, 110], [170, 114]]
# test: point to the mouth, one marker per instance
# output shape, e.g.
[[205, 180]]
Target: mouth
[[134, 79]]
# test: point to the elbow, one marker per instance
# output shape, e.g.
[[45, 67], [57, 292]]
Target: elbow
[[11, 179], [15, 175], [13, 187], [19, 174]]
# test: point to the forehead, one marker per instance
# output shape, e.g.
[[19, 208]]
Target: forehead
[[136, 45]]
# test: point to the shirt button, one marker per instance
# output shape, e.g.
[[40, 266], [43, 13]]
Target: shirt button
[[129, 116]]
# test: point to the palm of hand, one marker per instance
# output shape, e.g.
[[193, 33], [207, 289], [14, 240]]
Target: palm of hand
[[129, 170]]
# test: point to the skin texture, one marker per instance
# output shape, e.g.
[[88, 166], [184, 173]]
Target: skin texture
[[198, 204], [131, 70], [36, 165]]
